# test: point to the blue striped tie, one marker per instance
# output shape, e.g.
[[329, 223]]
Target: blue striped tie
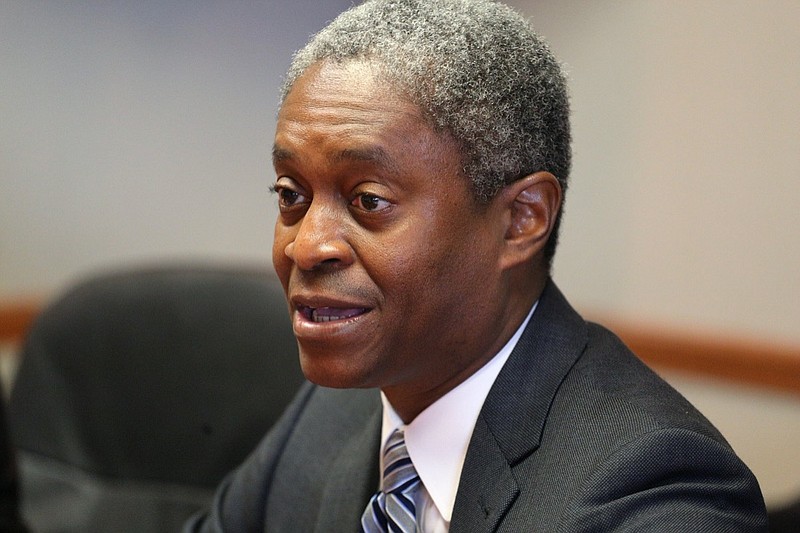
[[392, 509]]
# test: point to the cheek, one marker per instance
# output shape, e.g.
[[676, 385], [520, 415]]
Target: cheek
[[459, 263], [418, 279]]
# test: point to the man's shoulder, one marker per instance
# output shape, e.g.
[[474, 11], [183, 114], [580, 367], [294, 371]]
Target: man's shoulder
[[609, 440], [601, 379], [616, 380]]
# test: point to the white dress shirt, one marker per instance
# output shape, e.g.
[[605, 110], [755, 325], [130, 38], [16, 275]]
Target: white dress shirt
[[438, 437]]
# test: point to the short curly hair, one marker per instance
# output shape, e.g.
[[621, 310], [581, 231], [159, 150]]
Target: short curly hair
[[476, 69]]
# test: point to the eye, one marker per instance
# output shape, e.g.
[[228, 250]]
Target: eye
[[370, 202], [287, 197]]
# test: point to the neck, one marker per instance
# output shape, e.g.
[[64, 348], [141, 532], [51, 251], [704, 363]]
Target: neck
[[410, 402]]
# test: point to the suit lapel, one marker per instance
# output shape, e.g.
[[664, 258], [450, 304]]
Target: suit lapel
[[510, 425], [353, 478], [487, 487]]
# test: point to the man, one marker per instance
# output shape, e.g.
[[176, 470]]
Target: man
[[421, 157]]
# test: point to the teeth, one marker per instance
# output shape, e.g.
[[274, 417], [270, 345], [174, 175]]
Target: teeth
[[326, 314]]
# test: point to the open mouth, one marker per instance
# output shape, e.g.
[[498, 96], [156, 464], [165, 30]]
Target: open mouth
[[329, 314]]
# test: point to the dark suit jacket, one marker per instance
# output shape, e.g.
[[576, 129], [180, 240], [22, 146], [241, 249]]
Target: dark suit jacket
[[575, 435]]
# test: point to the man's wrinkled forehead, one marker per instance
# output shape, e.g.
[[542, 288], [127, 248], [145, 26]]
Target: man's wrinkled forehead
[[344, 94], [372, 154]]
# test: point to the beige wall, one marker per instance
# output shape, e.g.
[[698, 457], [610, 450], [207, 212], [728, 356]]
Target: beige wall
[[139, 131], [686, 182]]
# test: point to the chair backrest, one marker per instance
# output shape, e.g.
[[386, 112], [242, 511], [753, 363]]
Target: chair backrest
[[138, 390], [10, 521]]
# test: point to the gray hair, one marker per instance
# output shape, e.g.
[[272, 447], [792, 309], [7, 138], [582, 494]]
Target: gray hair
[[476, 69]]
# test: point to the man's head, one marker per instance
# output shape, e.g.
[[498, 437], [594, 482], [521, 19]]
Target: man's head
[[400, 271], [476, 69]]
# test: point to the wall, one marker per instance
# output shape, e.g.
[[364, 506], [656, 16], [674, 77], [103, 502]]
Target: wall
[[683, 207], [137, 131]]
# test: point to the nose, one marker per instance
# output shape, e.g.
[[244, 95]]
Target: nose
[[320, 241]]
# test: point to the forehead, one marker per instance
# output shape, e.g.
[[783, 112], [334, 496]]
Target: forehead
[[342, 94], [348, 111], [351, 79]]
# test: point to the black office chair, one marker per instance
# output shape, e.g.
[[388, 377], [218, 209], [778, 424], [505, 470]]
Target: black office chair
[[139, 390], [10, 521]]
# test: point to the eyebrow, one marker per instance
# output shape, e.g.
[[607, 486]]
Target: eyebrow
[[368, 154], [281, 154]]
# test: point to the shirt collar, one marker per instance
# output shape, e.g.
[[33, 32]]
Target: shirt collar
[[437, 439]]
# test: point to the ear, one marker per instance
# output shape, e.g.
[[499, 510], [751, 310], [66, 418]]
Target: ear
[[531, 205]]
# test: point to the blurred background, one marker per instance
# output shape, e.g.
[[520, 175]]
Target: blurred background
[[140, 132]]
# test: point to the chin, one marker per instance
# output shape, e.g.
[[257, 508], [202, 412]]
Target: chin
[[333, 372]]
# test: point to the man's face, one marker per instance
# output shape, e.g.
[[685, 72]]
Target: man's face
[[389, 266]]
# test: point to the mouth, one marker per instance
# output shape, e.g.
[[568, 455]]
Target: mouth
[[330, 314]]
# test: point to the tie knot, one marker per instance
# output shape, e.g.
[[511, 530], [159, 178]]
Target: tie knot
[[398, 471]]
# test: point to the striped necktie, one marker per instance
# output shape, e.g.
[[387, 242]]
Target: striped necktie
[[392, 509]]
